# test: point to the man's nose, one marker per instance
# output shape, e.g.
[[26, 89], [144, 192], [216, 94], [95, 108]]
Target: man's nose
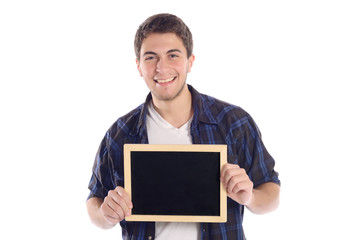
[[161, 65]]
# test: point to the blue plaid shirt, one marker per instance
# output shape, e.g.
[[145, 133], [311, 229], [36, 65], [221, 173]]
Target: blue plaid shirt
[[214, 122]]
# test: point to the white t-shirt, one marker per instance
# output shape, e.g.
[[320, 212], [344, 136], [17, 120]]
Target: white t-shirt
[[159, 131]]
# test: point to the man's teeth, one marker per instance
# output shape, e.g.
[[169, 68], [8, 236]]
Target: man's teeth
[[165, 80]]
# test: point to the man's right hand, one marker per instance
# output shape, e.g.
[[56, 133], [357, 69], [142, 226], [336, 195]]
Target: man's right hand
[[110, 211], [116, 205]]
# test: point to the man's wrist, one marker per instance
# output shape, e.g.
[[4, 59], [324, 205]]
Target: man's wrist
[[251, 203]]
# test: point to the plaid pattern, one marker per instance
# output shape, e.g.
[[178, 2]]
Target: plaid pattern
[[214, 122]]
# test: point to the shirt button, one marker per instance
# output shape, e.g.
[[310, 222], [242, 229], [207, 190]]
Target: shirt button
[[150, 237]]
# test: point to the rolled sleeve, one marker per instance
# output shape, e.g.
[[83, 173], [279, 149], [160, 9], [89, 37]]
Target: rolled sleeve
[[100, 182], [261, 162]]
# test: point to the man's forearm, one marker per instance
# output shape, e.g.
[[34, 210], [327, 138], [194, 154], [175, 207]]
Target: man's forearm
[[93, 206], [265, 198]]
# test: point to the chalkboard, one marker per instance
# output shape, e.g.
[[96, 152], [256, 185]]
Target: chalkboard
[[175, 183]]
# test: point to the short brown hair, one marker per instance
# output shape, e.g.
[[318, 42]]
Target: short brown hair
[[163, 23]]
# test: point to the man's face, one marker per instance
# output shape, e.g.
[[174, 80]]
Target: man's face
[[164, 65]]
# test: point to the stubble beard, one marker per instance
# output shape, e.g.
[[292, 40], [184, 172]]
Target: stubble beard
[[170, 98]]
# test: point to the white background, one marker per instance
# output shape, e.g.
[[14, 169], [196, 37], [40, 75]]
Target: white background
[[67, 71]]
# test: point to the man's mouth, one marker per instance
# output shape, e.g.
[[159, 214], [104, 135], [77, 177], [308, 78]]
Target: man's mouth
[[165, 80]]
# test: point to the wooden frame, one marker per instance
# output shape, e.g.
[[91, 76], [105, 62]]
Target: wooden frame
[[190, 150]]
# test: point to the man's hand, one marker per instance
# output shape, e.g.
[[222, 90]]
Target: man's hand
[[262, 199], [237, 183], [116, 205], [110, 211]]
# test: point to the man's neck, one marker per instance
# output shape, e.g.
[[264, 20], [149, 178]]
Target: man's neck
[[177, 111]]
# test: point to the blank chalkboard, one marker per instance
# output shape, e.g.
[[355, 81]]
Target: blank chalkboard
[[175, 182]]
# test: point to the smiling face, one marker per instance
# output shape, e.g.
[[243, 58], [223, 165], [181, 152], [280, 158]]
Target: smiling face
[[164, 65]]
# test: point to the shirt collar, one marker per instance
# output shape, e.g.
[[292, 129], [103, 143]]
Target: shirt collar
[[202, 107], [202, 110]]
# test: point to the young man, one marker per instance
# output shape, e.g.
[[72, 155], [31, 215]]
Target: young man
[[175, 113]]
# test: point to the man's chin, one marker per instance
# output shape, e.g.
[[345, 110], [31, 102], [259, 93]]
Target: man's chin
[[168, 96]]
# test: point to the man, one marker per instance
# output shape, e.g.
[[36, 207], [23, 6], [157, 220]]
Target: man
[[175, 113]]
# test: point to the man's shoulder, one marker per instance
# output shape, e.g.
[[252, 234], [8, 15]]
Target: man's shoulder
[[128, 123], [229, 117], [222, 110]]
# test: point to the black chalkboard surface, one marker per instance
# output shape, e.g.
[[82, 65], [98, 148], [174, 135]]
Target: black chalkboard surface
[[175, 182]]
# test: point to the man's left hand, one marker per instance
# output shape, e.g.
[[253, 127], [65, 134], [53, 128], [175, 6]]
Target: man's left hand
[[237, 183]]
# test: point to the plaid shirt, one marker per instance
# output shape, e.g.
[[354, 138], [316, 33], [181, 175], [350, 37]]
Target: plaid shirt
[[214, 122]]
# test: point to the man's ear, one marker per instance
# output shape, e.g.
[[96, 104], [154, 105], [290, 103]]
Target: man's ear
[[138, 67], [191, 61]]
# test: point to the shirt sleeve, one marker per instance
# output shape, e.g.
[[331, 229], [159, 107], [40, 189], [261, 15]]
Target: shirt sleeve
[[101, 179], [261, 164]]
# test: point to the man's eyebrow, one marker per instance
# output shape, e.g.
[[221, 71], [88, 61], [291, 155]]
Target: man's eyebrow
[[170, 51], [149, 52], [174, 50]]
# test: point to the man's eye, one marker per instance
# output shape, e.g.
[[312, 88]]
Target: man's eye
[[173, 56], [149, 58]]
